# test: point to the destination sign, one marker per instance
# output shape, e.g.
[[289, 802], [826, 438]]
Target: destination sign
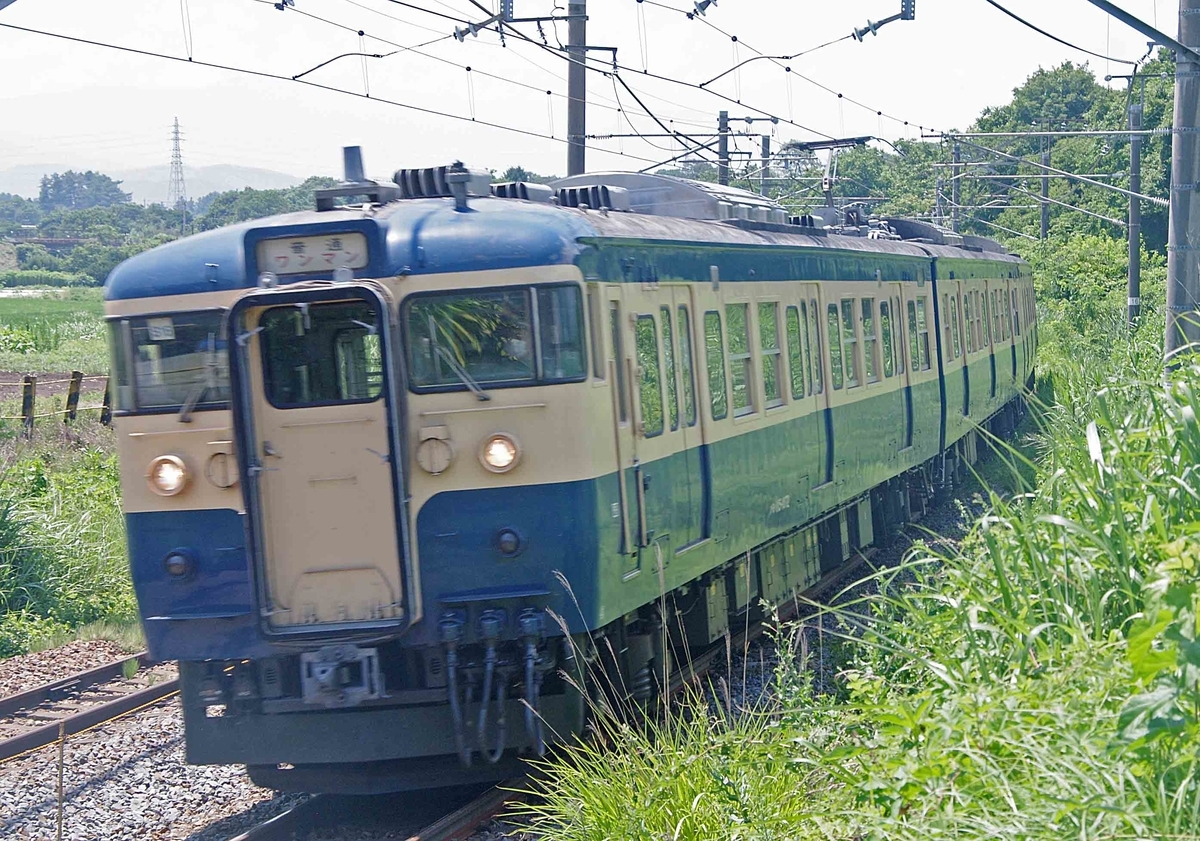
[[308, 255]]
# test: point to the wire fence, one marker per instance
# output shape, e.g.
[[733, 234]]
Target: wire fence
[[70, 413]]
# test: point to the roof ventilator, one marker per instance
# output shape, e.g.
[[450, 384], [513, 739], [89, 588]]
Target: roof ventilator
[[523, 190], [355, 184], [595, 197], [436, 182]]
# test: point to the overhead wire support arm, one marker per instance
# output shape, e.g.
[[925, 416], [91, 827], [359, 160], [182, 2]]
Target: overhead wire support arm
[[1146, 29], [908, 11]]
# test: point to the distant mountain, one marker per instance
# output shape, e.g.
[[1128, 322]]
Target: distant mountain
[[150, 184]]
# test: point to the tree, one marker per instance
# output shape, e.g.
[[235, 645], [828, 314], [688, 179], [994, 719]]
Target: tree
[[520, 173], [76, 190]]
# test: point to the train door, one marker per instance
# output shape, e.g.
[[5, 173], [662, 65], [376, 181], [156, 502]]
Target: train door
[[620, 374], [1014, 322], [903, 364], [317, 425], [819, 323], [679, 330]]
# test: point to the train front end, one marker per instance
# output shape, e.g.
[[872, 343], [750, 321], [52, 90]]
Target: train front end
[[348, 492]]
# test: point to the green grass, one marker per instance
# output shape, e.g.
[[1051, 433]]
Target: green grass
[[1040, 682], [63, 570], [53, 331]]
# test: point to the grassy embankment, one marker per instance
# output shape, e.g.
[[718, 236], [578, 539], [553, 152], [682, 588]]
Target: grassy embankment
[[62, 557], [1042, 682]]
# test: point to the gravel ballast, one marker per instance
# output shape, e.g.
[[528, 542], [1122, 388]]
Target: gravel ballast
[[127, 779], [27, 671]]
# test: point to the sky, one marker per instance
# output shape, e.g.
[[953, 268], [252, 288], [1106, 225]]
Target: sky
[[69, 103]]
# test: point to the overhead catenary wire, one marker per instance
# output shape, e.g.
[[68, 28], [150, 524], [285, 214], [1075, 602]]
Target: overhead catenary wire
[[263, 74], [1054, 37]]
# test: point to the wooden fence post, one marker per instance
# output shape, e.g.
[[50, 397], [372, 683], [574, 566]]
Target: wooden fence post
[[106, 409], [73, 396], [28, 392]]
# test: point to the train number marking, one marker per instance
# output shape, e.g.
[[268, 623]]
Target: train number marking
[[780, 505]]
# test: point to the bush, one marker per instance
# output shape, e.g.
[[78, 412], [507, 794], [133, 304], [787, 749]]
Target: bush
[[40, 277]]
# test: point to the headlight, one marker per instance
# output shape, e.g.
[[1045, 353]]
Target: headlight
[[167, 475], [500, 453]]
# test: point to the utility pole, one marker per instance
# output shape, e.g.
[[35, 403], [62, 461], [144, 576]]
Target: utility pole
[[1045, 188], [1183, 241], [955, 186], [723, 148], [576, 86], [177, 192], [1135, 210], [765, 174]]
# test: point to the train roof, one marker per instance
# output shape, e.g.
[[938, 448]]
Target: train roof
[[428, 235]]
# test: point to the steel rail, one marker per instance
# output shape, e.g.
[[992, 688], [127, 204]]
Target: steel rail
[[75, 683], [86, 719]]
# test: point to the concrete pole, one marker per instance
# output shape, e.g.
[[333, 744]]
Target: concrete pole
[[1183, 241], [1135, 211], [955, 186], [723, 148], [1045, 190], [765, 175], [576, 87]]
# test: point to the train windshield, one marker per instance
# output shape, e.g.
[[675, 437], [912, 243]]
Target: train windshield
[[511, 336], [164, 362]]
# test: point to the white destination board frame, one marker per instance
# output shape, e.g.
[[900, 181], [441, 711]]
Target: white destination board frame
[[313, 254]]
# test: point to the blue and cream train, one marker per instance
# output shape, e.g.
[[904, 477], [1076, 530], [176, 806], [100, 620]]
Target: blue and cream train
[[381, 459]]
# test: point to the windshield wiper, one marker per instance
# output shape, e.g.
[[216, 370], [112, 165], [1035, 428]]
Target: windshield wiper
[[202, 388], [459, 371]]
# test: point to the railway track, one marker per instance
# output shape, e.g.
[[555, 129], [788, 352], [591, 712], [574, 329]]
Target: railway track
[[40, 716]]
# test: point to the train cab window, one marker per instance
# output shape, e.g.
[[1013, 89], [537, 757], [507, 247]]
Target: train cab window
[[649, 376], [511, 336], [870, 341], [741, 367], [850, 343], [795, 354], [835, 346], [162, 362], [899, 345], [321, 354], [715, 354], [596, 322], [687, 368], [669, 368], [888, 338], [772, 355]]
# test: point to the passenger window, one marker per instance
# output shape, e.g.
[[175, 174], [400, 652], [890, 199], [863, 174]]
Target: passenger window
[[618, 359], [923, 333], [715, 354], [686, 368], [835, 346], [898, 333], [849, 343], [870, 341], [322, 354], [741, 371], [772, 355], [795, 359], [885, 330], [650, 378], [596, 322], [818, 377], [669, 368], [954, 334], [968, 325]]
